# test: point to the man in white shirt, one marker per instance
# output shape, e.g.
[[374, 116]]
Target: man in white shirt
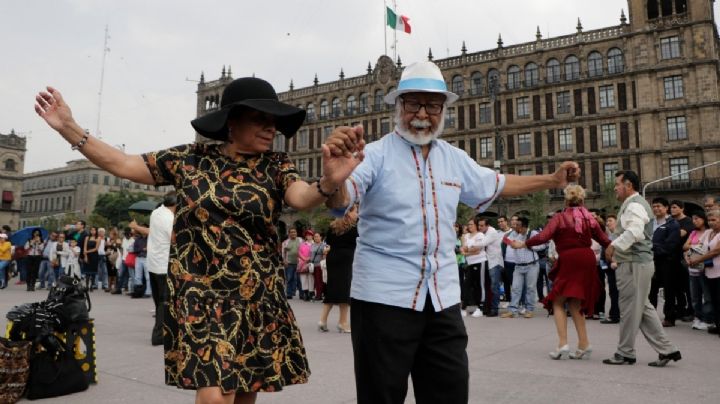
[[492, 244], [526, 271], [158, 254]]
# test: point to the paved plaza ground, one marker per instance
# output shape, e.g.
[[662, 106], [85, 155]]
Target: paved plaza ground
[[508, 362]]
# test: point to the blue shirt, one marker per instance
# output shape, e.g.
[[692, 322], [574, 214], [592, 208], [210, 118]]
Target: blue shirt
[[407, 208]]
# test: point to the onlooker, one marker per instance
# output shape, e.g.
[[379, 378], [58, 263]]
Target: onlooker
[[712, 269], [613, 316], [72, 265], [525, 272], [632, 250], [5, 258], [711, 202], [476, 266], [666, 246], [290, 258], [47, 271], [89, 256], [305, 272], [492, 244], [126, 275], [60, 252], [504, 229], [35, 247], [102, 271], [316, 255], [699, 288], [682, 304], [141, 287]]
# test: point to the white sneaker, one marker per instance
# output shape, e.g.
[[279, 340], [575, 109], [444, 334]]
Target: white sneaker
[[695, 324], [701, 326], [477, 313], [522, 310], [504, 305]]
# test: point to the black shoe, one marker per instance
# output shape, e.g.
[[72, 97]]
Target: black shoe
[[688, 318], [492, 314], [610, 321], [618, 359], [713, 330], [664, 359], [667, 323]]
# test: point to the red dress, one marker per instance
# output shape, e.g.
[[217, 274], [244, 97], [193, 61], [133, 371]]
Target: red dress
[[574, 274]]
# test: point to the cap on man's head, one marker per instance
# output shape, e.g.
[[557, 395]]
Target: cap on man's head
[[421, 77], [3, 235]]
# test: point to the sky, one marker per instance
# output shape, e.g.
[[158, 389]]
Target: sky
[[158, 48]]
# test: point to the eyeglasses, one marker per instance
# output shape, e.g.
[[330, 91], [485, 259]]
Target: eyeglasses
[[413, 106]]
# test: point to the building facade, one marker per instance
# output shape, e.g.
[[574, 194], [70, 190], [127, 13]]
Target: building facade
[[12, 162], [72, 189], [642, 95]]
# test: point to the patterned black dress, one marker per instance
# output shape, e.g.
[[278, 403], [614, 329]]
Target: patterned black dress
[[227, 322]]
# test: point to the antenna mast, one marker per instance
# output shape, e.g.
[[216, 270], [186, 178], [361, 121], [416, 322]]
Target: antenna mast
[[102, 80]]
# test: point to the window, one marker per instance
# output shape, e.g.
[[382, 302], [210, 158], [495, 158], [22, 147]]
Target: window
[[595, 64], [607, 96], [485, 147], [476, 83], [302, 167], [531, 74], [513, 77], [616, 64], [336, 107], [526, 172], [95, 178], [677, 128], [572, 68], [363, 103], [565, 139], [457, 85], [326, 133], [563, 102], [553, 71], [378, 106], [310, 109], [673, 87], [493, 80], [116, 181], [385, 125], [10, 165], [679, 165], [7, 199], [609, 170], [302, 140], [324, 109], [350, 105], [450, 117], [485, 113], [609, 135], [523, 107], [670, 47], [278, 144], [524, 145], [106, 180]]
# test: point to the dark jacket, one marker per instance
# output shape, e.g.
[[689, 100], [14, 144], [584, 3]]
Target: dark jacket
[[666, 239]]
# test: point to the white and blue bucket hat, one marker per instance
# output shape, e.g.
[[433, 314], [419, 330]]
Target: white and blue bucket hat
[[423, 77]]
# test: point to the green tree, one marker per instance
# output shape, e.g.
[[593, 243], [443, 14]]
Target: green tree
[[114, 205], [608, 199], [464, 213], [537, 204]]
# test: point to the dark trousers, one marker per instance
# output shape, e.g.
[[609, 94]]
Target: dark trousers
[[158, 285], [463, 287], [390, 343], [473, 284], [600, 303], [666, 277], [507, 277], [714, 289], [613, 289], [33, 267]]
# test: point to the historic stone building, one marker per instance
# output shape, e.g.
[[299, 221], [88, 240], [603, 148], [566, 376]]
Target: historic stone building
[[12, 161], [72, 189], [639, 95]]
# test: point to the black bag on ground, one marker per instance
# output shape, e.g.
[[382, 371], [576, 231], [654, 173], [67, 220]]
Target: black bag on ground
[[55, 373], [75, 301], [138, 291]]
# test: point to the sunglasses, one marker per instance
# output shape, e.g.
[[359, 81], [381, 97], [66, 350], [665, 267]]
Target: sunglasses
[[413, 106]]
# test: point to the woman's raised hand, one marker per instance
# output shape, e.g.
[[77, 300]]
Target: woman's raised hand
[[52, 108], [342, 152]]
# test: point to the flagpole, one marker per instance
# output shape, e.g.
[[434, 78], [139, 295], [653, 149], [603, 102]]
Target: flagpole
[[385, 25], [395, 33]]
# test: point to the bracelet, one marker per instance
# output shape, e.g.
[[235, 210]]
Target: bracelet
[[81, 143], [323, 193]]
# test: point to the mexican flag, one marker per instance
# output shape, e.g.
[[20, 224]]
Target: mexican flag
[[398, 22]]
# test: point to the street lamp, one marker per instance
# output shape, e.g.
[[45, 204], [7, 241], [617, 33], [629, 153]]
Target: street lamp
[[494, 88]]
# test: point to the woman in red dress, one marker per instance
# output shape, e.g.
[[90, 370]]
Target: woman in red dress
[[574, 276]]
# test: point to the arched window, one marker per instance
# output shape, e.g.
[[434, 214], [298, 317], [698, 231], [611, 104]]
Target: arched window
[[680, 6], [616, 63], [378, 100], [310, 112], [363, 103], [531, 74], [324, 109], [572, 68], [553, 71], [493, 81], [458, 86], [387, 106], [653, 10], [595, 65], [666, 6], [476, 83], [513, 77], [351, 105], [336, 107], [10, 165]]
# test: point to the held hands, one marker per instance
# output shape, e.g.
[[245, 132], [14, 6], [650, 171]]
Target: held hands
[[517, 244], [569, 171], [342, 152], [52, 108], [609, 251]]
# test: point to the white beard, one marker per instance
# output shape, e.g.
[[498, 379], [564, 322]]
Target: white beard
[[424, 133]]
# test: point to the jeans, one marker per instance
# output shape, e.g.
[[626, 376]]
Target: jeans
[[292, 279], [123, 277], [46, 272], [495, 280], [700, 296], [3, 268], [524, 276], [102, 277], [140, 272]]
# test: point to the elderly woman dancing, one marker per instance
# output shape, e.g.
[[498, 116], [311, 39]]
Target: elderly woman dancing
[[229, 331], [574, 277]]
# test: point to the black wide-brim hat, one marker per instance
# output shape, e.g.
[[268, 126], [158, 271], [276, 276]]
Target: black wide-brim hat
[[253, 93]]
